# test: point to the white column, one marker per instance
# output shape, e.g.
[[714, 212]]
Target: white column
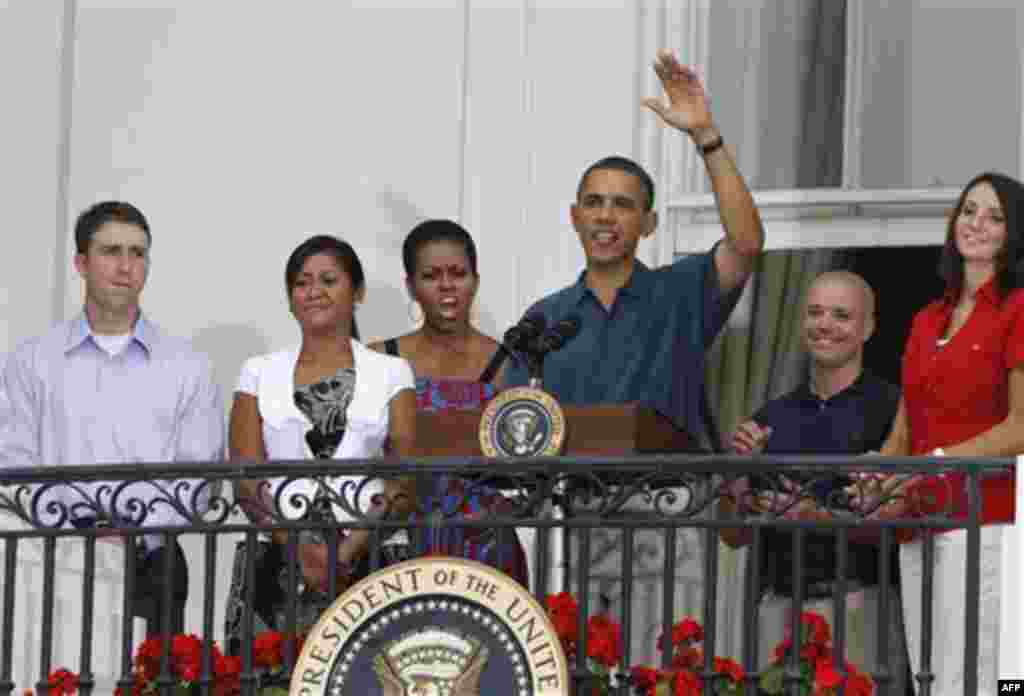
[[681, 26], [500, 138], [854, 93], [31, 46]]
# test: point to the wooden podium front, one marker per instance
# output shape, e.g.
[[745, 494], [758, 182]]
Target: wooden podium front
[[608, 430]]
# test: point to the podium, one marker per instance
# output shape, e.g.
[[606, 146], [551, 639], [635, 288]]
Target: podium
[[607, 430]]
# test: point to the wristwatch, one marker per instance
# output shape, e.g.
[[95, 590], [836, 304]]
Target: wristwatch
[[706, 150]]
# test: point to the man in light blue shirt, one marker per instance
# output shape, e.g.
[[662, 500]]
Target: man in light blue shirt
[[110, 387]]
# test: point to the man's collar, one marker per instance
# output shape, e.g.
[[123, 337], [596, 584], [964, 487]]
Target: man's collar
[[80, 331], [804, 391], [144, 332], [638, 285], [579, 289]]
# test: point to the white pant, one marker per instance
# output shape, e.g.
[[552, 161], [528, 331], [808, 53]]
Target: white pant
[[949, 609]]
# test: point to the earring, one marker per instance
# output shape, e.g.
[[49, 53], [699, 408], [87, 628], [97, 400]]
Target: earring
[[415, 312]]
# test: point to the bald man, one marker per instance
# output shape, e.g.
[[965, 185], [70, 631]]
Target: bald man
[[840, 409], [838, 319]]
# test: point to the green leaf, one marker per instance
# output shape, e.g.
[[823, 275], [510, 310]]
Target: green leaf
[[725, 687], [273, 691], [772, 680]]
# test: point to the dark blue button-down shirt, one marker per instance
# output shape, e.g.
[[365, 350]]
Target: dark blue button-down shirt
[[648, 348]]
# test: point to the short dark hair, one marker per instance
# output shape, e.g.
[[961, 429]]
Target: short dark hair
[[622, 164], [1010, 261], [101, 213], [340, 250], [431, 231]]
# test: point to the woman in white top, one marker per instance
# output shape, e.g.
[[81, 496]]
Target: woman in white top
[[329, 398]]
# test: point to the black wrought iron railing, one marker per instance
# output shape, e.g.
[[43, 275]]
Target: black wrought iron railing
[[581, 512]]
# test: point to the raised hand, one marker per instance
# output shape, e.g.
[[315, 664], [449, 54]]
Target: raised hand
[[750, 438], [686, 107]]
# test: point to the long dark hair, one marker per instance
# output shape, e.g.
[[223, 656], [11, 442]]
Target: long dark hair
[[340, 250], [1010, 261]]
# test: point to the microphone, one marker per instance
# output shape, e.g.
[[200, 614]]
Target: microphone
[[563, 331], [519, 337]]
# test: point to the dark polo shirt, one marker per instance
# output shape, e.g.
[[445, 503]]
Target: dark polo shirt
[[648, 348], [854, 421]]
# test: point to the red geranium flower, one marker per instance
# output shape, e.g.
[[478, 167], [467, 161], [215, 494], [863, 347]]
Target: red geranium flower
[[564, 615], [859, 684], [604, 641], [817, 628], [686, 631], [561, 603], [62, 681], [227, 669], [186, 647], [812, 652], [686, 683], [779, 653], [147, 658], [688, 658], [731, 668], [186, 653], [268, 649], [137, 689], [645, 677], [826, 675], [186, 656]]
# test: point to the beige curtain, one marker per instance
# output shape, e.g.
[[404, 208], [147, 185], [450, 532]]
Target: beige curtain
[[759, 356]]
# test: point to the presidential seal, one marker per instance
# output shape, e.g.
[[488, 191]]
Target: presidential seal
[[433, 626], [522, 422]]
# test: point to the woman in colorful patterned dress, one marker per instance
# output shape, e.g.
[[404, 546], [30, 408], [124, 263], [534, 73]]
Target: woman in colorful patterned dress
[[457, 367]]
